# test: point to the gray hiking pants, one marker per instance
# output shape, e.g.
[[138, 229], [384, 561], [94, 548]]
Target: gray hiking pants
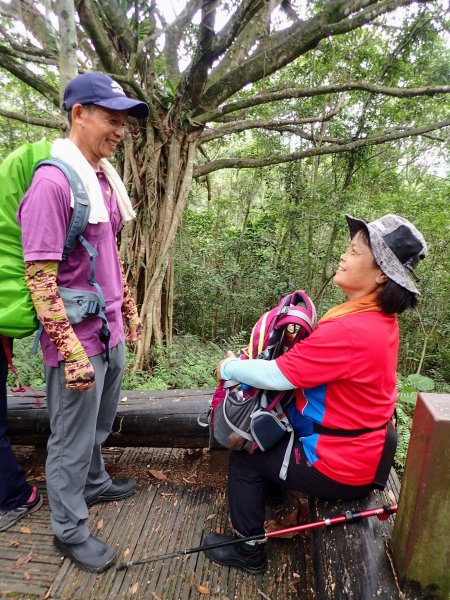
[[80, 422]]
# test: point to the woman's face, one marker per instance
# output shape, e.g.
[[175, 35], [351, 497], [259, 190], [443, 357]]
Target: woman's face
[[357, 274]]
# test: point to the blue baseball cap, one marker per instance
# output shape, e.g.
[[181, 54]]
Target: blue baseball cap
[[99, 89]]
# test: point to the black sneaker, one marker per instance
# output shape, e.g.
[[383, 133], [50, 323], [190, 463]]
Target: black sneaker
[[10, 517], [249, 557]]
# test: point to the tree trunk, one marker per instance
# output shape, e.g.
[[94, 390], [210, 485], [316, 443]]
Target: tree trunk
[[160, 174], [68, 44]]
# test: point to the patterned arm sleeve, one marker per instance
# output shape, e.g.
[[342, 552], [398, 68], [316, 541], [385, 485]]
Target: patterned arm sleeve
[[129, 309], [40, 278]]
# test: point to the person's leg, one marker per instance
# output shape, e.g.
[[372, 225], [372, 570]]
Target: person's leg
[[14, 489], [251, 475], [73, 417], [250, 478], [98, 479], [247, 489]]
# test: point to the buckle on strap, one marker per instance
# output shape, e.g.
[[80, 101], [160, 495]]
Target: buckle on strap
[[105, 335], [93, 308]]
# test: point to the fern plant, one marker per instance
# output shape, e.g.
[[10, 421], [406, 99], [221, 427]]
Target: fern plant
[[408, 389]]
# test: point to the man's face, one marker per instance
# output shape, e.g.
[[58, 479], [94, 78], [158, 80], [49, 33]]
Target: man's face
[[99, 131]]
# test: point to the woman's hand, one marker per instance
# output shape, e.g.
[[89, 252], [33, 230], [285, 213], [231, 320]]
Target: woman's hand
[[230, 354]]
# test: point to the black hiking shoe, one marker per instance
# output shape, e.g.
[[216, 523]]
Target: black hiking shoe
[[249, 557], [118, 490], [92, 555]]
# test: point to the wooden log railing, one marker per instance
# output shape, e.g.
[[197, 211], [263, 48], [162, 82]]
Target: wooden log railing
[[421, 536], [157, 419]]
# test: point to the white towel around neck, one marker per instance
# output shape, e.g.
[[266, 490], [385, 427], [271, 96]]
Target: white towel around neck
[[67, 151]]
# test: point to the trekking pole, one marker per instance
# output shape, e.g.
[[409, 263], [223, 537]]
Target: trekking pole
[[350, 516]]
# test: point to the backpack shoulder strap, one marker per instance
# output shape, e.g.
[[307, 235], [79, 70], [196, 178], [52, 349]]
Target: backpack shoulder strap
[[77, 225], [81, 207]]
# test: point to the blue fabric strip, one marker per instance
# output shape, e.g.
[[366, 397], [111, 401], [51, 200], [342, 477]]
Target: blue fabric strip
[[263, 374]]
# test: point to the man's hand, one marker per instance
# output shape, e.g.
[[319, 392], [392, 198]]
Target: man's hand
[[80, 374], [134, 332], [230, 354]]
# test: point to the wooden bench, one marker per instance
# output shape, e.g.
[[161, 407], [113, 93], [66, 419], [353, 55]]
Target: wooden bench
[[349, 561], [157, 419], [352, 562]]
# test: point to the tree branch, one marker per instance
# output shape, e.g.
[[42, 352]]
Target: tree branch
[[21, 54], [289, 11], [27, 76], [118, 25], [34, 21], [291, 92], [195, 78], [173, 33], [249, 27], [238, 126], [68, 45], [245, 14], [317, 138], [86, 48], [48, 123], [251, 163], [302, 36], [90, 21], [146, 51], [24, 46]]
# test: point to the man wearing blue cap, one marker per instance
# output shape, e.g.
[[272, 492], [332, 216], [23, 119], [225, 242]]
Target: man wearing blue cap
[[83, 364]]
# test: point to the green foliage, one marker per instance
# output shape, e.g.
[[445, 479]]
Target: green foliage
[[258, 235], [190, 363], [19, 98], [408, 389], [29, 367]]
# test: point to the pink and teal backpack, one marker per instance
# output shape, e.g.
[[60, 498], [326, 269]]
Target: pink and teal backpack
[[248, 418]]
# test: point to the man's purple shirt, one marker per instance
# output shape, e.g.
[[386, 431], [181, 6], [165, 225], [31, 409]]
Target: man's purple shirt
[[44, 216]]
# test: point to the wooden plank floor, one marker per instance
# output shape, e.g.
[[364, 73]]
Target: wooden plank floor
[[160, 518]]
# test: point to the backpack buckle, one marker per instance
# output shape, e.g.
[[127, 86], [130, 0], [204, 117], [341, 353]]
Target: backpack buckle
[[93, 308]]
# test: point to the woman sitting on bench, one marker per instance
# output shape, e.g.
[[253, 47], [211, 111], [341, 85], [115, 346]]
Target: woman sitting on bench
[[344, 376]]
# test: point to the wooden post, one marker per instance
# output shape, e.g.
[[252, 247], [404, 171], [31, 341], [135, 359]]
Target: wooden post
[[421, 539]]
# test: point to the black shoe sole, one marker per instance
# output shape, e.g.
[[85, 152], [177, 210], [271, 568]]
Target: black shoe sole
[[224, 563], [103, 498], [65, 552]]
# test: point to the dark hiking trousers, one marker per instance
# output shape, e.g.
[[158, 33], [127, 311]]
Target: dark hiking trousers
[[14, 490], [251, 476]]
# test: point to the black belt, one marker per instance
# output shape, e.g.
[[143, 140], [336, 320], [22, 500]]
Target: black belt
[[344, 432], [387, 455]]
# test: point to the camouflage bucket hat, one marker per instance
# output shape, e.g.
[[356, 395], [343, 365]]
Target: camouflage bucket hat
[[396, 244]]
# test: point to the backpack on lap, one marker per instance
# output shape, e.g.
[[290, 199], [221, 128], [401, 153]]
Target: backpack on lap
[[247, 418]]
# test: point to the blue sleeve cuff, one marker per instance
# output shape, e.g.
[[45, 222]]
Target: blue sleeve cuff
[[263, 374]]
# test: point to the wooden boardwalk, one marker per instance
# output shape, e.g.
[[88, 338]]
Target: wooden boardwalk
[[165, 516], [161, 517]]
